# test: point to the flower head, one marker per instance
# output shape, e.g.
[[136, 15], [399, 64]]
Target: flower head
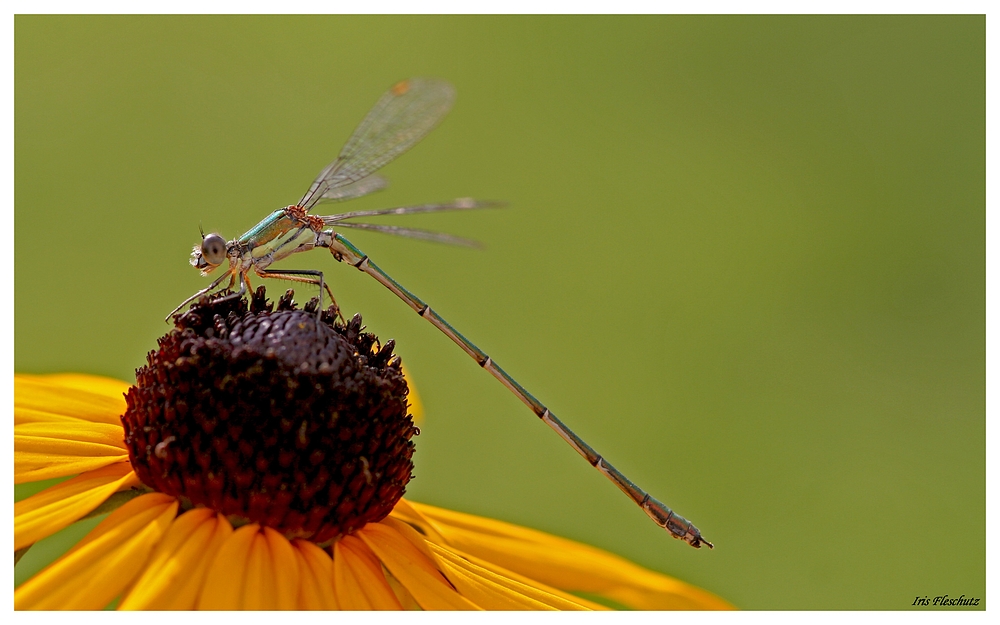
[[273, 417], [259, 462]]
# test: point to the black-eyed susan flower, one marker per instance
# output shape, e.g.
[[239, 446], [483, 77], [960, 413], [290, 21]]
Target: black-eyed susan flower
[[259, 462]]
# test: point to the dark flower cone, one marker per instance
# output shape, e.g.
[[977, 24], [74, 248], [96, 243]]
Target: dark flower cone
[[282, 417]]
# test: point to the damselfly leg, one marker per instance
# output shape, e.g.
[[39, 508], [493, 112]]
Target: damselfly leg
[[200, 293], [307, 276]]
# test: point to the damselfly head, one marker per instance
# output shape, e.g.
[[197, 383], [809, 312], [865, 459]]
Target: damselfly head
[[210, 254]]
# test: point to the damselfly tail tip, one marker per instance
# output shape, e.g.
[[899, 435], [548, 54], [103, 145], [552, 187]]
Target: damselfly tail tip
[[690, 535]]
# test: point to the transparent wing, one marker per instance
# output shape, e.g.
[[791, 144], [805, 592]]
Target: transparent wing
[[371, 184], [415, 233], [401, 118], [459, 204]]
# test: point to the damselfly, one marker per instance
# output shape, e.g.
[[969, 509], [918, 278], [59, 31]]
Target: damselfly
[[401, 118]]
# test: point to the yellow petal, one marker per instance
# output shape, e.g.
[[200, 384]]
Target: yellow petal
[[406, 513], [286, 570], [90, 398], [416, 406], [223, 588], [316, 577], [272, 575], [489, 586], [92, 383], [259, 580], [100, 566], [493, 591], [358, 579], [413, 569], [405, 598], [174, 573], [31, 415], [566, 564], [59, 506], [44, 450]]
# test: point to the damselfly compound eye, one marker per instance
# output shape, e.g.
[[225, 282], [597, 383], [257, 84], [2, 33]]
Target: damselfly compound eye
[[274, 417], [213, 249]]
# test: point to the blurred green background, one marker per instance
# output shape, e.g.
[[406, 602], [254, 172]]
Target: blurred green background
[[744, 258]]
